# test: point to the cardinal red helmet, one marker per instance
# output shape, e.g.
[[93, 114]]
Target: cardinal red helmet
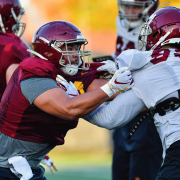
[[147, 7], [49, 40], [162, 28], [10, 15]]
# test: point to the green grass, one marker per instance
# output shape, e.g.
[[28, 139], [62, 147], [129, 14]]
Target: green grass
[[81, 173], [81, 167]]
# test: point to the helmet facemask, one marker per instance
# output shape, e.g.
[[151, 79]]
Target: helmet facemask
[[82, 55], [144, 32], [131, 21], [18, 27], [60, 47]]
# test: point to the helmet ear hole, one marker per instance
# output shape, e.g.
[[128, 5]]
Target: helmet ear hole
[[159, 32], [5, 19], [155, 34]]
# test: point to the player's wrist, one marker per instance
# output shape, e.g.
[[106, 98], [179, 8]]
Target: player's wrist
[[109, 89]]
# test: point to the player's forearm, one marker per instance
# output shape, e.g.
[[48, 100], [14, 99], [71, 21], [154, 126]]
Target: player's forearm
[[84, 104]]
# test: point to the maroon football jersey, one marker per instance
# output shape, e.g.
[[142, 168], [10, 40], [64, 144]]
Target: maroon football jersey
[[20, 120], [12, 50]]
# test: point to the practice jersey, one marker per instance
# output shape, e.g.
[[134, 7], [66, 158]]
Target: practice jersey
[[12, 50], [125, 39], [157, 81], [159, 77]]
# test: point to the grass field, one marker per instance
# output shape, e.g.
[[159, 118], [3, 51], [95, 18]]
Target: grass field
[[81, 167]]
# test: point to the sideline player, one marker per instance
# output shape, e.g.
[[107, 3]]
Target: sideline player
[[36, 112], [156, 87]]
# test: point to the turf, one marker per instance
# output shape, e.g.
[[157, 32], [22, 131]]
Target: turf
[[80, 167], [81, 173]]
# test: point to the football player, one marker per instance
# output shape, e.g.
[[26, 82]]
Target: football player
[[130, 157], [36, 111], [156, 73]]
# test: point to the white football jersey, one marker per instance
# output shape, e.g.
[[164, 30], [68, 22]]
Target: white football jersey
[[125, 39], [157, 80], [159, 77], [156, 76]]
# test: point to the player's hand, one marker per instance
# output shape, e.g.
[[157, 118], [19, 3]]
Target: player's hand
[[109, 66], [70, 88], [49, 163], [121, 81]]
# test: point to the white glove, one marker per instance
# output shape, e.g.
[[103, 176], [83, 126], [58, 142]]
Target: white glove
[[109, 66], [121, 81], [49, 163], [70, 88]]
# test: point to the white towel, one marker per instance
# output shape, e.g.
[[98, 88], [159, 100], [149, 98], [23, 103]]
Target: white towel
[[20, 167]]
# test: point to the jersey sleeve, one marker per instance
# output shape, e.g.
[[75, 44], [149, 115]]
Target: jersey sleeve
[[34, 86]]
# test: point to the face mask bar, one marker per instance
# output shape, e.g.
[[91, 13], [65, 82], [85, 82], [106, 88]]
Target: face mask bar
[[142, 38], [144, 32], [19, 28], [146, 6], [82, 53], [2, 25]]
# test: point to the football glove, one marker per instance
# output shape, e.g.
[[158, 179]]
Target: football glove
[[109, 66], [70, 88], [49, 163], [120, 82]]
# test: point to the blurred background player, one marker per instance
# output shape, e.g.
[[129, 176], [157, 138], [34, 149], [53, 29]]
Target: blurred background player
[[141, 156], [12, 49]]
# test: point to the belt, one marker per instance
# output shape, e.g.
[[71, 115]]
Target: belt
[[162, 109]]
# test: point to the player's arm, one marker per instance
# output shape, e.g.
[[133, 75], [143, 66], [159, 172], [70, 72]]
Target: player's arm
[[56, 101], [97, 83], [118, 112]]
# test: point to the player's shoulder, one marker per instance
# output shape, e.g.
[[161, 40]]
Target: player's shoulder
[[9, 38]]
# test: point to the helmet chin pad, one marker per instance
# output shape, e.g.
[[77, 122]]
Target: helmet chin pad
[[70, 70]]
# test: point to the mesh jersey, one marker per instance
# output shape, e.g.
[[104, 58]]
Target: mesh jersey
[[20, 120], [125, 39], [12, 50], [159, 77], [156, 81]]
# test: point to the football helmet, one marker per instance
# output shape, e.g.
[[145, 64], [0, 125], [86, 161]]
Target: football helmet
[[131, 21], [10, 16], [50, 42], [161, 28]]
